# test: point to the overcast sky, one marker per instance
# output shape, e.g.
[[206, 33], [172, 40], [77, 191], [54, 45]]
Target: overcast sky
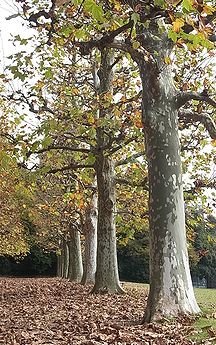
[[8, 28]]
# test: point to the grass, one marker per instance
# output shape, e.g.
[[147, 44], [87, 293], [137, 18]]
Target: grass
[[205, 324]]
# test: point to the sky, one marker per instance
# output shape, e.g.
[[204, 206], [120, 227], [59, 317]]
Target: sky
[[9, 28]]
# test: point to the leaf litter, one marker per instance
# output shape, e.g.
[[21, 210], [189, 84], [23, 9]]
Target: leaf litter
[[53, 311]]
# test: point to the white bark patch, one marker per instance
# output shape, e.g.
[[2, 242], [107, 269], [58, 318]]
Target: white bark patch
[[161, 127], [177, 294]]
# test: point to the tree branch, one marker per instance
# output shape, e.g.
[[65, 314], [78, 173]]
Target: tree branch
[[59, 147], [86, 47], [188, 115], [124, 181], [129, 159], [185, 96], [70, 167], [115, 149]]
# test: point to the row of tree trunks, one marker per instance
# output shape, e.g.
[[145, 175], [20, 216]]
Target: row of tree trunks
[[171, 290], [102, 241], [70, 262]]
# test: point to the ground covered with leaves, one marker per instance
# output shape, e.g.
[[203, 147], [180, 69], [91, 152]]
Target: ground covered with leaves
[[54, 311]]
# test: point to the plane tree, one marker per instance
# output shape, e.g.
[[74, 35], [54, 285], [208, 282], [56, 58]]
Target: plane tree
[[82, 127], [150, 33]]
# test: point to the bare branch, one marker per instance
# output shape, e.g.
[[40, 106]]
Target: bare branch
[[188, 115], [86, 47], [70, 167], [129, 159], [119, 147], [59, 147], [128, 100], [124, 181], [185, 96]]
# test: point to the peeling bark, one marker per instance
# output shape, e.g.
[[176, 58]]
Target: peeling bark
[[75, 271], [171, 291], [106, 278], [63, 260], [90, 231]]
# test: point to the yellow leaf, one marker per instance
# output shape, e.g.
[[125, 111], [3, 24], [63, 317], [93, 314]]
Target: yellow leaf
[[177, 24], [117, 6], [75, 91], [208, 9], [123, 99], [213, 142], [167, 60], [117, 113]]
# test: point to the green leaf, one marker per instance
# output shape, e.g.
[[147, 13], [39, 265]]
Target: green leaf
[[135, 17], [80, 34], [17, 120], [66, 31], [95, 10], [46, 142], [34, 147], [91, 158], [187, 5], [172, 35], [48, 74], [92, 133], [146, 24], [160, 3], [136, 45]]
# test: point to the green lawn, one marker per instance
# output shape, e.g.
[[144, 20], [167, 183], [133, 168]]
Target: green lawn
[[204, 324]]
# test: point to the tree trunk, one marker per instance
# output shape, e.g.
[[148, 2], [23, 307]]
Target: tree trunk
[[62, 260], [65, 259], [90, 231], [106, 278], [75, 271], [171, 291]]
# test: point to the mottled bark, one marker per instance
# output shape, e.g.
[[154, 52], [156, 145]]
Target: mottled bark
[[171, 291], [65, 259], [62, 259], [75, 271], [90, 232], [106, 278]]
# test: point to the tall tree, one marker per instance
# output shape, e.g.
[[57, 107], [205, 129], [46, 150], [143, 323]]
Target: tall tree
[[149, 32]]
